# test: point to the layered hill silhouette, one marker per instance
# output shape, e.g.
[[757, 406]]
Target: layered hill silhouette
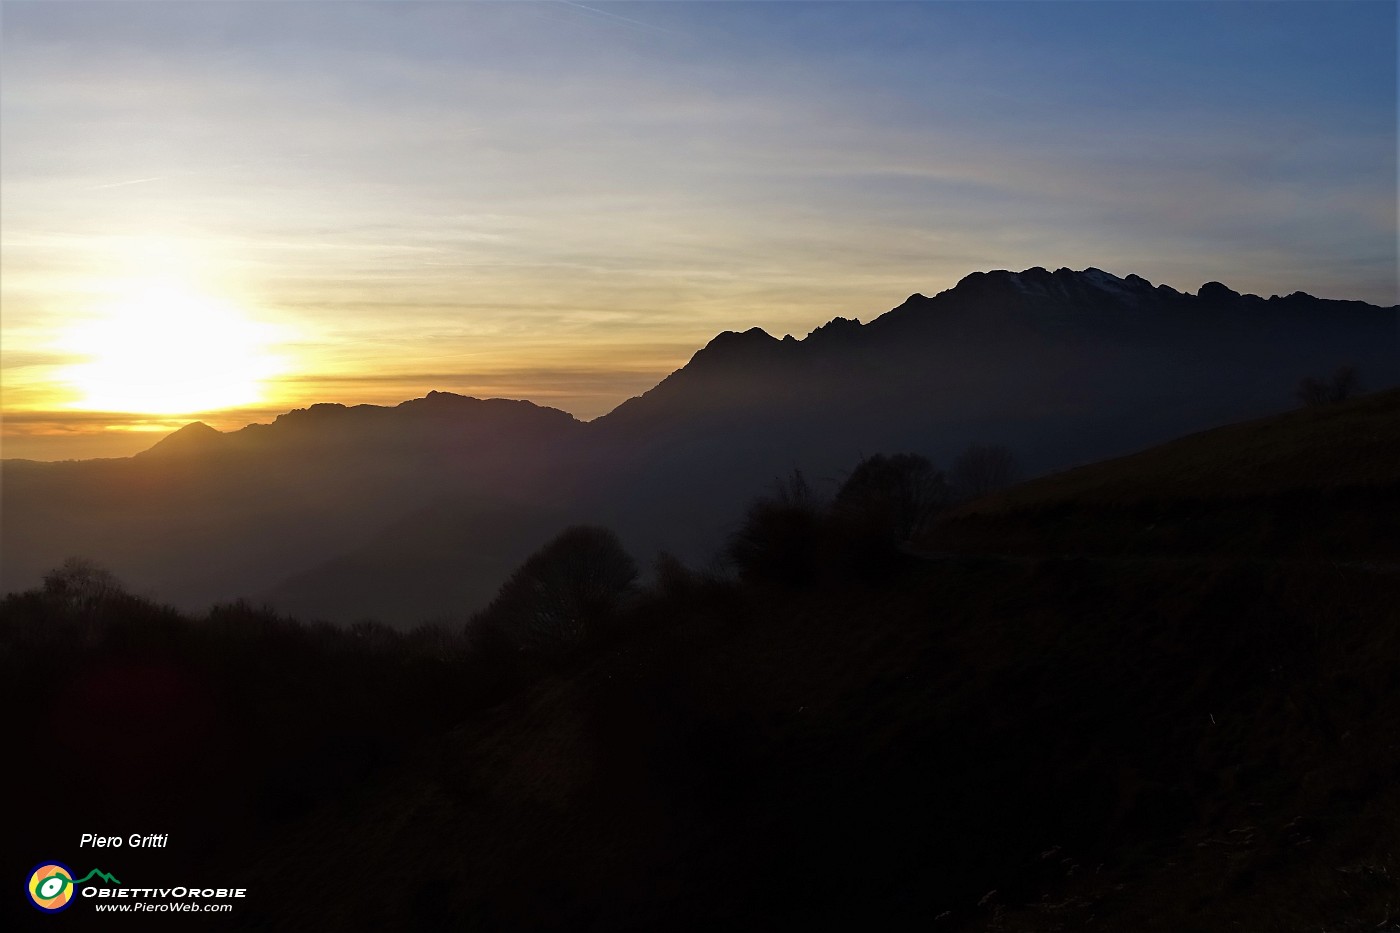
[[1032, 726], [208, 515], [1064, 367]]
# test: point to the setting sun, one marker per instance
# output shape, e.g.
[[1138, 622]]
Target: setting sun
[[168, 350]]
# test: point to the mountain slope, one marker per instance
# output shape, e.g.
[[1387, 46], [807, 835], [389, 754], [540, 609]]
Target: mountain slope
[[1322, 482]]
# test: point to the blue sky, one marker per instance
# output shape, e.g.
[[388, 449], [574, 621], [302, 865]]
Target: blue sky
[[561, 201]]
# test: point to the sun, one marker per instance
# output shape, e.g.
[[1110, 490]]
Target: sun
[[166, 350]]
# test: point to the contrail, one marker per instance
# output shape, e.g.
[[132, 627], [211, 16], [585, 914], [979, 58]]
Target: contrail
[[123, 184], [624, 19], [208, 169]]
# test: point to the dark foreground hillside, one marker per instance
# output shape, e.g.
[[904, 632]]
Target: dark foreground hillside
[[1319, 483], [1076, 737]]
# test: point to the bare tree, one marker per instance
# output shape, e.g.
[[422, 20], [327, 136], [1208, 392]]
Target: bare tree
[[79, 583], [983, 469], [1344, 384], [1313, 392]]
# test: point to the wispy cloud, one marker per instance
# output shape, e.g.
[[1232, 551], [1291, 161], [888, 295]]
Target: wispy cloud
[[467, 188]]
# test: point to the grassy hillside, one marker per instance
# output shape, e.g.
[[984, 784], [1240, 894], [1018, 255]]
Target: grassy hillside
[[1065, 732], [1318, 483]]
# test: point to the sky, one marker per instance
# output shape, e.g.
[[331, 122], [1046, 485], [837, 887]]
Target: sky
[[222, 211]]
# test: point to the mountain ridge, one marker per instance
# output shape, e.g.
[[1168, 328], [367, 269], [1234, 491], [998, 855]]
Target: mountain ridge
[[435, 411], [1062, 367], [728, 350], [1022, 312]]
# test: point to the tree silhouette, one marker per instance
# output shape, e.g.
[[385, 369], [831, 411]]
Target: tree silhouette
[[894, 498], [79, 583], [780, 539], [557, 599], [672, 576], [1344, 384]]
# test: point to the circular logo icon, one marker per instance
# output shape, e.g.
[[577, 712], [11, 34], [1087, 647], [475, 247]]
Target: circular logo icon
[[50, 887]]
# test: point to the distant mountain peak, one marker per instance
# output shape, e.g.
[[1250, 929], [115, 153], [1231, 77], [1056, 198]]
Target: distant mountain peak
[[1067, 286], [450, 405], [196, 429], [754, 336], [1215, 291], [438, 397], [438, 400], [838, 329], [318, 410], [731, 345], [1097, 275], [195, 437]]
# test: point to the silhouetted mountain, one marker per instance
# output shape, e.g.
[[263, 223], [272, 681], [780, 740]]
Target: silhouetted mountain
[[440, 423], [999, 341], [204, 515], [1063, 367]]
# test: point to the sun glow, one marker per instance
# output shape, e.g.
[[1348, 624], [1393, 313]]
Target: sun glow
[[164, 349]]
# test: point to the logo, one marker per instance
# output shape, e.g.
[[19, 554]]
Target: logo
[[51, 886]]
